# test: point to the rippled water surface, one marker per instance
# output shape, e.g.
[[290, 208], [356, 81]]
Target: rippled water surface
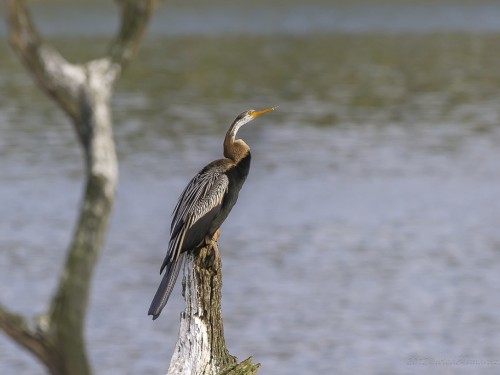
[[365, 240]]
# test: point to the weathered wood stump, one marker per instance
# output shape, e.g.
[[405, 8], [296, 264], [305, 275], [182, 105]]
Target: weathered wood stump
[[201, 348]]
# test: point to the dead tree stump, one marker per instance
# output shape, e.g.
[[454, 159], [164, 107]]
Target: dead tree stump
[[201, 347]]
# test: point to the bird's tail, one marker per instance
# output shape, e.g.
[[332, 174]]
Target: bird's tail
[[167, 284]]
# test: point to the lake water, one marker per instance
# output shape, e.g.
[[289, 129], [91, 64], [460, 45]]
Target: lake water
[[366, 238]]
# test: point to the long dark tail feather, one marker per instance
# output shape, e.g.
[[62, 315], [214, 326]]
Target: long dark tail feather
[[167, 284]]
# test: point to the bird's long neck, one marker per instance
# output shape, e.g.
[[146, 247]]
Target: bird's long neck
[[235, 149]]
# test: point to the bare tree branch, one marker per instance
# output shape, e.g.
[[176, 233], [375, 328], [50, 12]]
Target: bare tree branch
[[83, 92], [62, 80], [51, 71], [28, 337], [135, 16]]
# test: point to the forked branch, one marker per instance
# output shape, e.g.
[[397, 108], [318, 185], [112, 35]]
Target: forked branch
[[83, 91]]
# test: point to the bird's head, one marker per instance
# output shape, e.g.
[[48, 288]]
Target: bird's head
[[246, 117], [235, 149]]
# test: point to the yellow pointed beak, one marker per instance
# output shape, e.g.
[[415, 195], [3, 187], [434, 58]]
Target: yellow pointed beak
[[261, 112]]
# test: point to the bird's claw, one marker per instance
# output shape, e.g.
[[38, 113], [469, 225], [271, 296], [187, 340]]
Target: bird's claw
[[211, 243]]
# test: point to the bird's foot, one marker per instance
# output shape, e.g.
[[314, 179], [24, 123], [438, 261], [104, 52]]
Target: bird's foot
[[212, 242], [216, 235]]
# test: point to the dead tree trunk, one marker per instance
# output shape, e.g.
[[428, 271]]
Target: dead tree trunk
[[83, 92], [201, 348]]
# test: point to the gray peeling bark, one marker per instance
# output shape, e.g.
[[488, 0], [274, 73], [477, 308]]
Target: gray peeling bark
[[201, 347], [83, 92]]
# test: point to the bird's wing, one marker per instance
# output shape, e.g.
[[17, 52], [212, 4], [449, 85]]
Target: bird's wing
[[198, 205]]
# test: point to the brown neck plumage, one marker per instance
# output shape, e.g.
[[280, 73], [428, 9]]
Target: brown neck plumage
[[234, 149], [237, 149]]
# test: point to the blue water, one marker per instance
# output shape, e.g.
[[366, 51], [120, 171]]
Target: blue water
[[275, 18], [359, 245]]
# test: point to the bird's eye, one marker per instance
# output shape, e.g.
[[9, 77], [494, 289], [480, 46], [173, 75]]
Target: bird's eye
[[250, 112]]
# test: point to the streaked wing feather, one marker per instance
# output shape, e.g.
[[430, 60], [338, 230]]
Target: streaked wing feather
[[202, 196]]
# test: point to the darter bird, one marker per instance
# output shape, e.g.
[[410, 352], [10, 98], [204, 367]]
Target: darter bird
[[204, 205]]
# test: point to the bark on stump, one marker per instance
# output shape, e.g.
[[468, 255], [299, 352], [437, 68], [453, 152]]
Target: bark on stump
[[201, 348]]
